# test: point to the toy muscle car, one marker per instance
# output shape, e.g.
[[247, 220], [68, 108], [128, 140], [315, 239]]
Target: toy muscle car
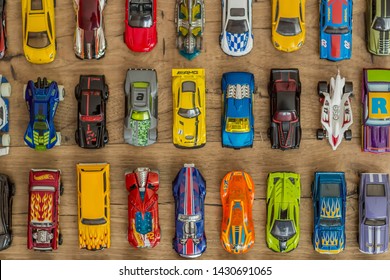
[[7, 192], [336, 112], [144, 228], [5, 139], [378, 27], [189, 191], [45, 188], [141, 107], [237, 195], [92, 95], [3, 29]]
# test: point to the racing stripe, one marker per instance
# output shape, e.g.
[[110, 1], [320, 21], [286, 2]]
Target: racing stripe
[[387, 8], [337, 12], [189, 192], [335, 45]]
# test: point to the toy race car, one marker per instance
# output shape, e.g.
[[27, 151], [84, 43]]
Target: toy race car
[[140, 25], [89, 39], [5, 92], [3, 30], [285, 90], [45, 189], [92, 95], [237, 110], [336, 112], [283, 199], [141, 107], [237, 195], [7, 192], [236, 38], [189, 191], [42, 98], [190, 23], [39, 31], [377, 27], [144, 228]]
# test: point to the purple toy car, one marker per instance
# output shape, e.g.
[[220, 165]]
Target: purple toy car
[[374, 213]]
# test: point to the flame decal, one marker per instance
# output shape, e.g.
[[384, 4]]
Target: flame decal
[[330, 208], [330, 239], [44, 177], [93, 238], [41, 207]]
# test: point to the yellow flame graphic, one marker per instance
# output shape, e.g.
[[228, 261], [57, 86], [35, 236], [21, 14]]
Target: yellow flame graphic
[[330, 209], [41, 207]]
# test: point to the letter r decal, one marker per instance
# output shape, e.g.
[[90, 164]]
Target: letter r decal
[[379, 105]]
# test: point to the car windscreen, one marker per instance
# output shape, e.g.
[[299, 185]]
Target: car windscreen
[[326, 222], [89, 15], [38, 40], [336, 30], [381, 24], [237, 26], [289, 27], [91, 103], [237, 125], [140, 15], [375, 190], [330, 190], [375, 222], [36, 5], [285, 101], [189, 113], [283, 229], [188, 86]]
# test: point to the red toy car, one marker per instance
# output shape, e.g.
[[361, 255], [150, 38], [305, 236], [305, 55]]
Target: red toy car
[[45, 188], [3, 33]]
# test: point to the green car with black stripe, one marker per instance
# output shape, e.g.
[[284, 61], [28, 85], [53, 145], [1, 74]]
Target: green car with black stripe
[[378, 26]]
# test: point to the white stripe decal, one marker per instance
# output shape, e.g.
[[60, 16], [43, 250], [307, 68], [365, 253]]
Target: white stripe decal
[[371, 177], [380, 178]]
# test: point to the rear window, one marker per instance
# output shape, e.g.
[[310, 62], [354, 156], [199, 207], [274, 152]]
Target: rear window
[[375, 190]]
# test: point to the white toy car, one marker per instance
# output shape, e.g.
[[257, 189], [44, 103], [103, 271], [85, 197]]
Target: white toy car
[[236, 38], [336, 113], [5, 91]]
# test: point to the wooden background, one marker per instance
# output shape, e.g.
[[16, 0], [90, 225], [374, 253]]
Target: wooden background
[[212, 160]]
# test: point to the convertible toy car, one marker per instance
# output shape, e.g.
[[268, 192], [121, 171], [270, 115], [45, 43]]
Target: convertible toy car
[[5, 92], [283, 199], [374, 213], [288, 24], [42, 98], [378, 27], [237, 129], [92, 95], [189, 108], [144, 228], [189, 191], [89, 39], [93, 188], [141, 107], [190, 22], [43, 230], [140, 25], [285, 90], [336, 112], [237, 195], [236, 38], [3, 30], [39, 31], [329, 198], [7, 192]]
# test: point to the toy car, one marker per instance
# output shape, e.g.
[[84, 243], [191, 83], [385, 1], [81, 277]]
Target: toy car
[[378, 27], [3, 30], [329, 199], [45, 189], [237, 195], [93, 188], [283, 199], [288, 24], [237, 129], [189, 108], [7, 192], [374, 213], [376, 110], [189, 191], [39, 31], [190, 22], [89, 39], [42, 98], [144, 228], [5, 92], [236, 38], [141, 107], [336, 112], [285, 109], [92, 95], [140, 25]]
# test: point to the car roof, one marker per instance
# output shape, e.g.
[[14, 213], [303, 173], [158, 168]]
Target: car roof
[[92, 195]]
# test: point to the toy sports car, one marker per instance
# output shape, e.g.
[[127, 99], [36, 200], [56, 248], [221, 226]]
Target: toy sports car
[[237, 110], [144, 228], [7, 192], [189, 191], [39, 31], [42, 98], [5, 139], [190, 22], [285, 91], [140, 25], [336, 29], [329, 198], [236, 38], [237, 195], [89, 39], [92, 95], [336, 112], [374, 213], [378, 27], [3, 30], [189, 108], [43, 230], [141, 107], [283, 199]]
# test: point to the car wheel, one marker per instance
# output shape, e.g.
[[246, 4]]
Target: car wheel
[[5, 140], [76, 137], [61, 92], [77, 92], [322, 87], [61, 189], [320, 134], [348, 87], [269, 133], [13, 190], [348, 135], [24, 91], [5, 90], [58, 143], [105, 94], [105, 140], [60, 239]]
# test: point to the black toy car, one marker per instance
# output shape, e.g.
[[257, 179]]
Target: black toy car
[[7, 191]]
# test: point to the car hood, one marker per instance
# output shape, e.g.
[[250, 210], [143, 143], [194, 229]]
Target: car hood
[[336, 47], [237, 140], [373, 239], [376, 139], [40, 55], [329, 241], [139, 132], [91, 134], [237, 44], [288, 43], [94, 237], [141, 39], [191, 132]]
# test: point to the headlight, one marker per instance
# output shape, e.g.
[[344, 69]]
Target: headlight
[[27, 57], [300, 44], [276, 44], [51, 55]]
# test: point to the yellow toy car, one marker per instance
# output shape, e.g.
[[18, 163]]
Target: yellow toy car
[[189, 108], [93, 188], [39, 31]]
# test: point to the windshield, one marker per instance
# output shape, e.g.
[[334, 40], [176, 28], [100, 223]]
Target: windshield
[[237, 125], [237, 26], [89, 15], [100, 221], [375, 190], [189, 113], [140, 115], [38, 40], [337, 30], [283, 229], [375, 222], [140, 15], [381, 24], [43, 224], [326, 222], [288, 27]]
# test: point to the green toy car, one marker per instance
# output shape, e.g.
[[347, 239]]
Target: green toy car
[[378, 26]]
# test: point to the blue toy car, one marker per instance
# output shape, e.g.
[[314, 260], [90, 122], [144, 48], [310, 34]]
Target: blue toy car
[[42, 98], [237, 114], [329, 199], [189, 191], [5, 92], [336, 29]]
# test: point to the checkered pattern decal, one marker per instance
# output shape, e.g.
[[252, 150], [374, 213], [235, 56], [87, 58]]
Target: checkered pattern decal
[[237, 42]]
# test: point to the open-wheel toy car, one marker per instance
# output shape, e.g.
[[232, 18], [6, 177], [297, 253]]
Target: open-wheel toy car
[[3, 29], [378, 27], [5, 92], [7, 192]]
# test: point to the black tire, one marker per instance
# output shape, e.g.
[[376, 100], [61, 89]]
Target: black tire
[[55, 3], [269, 133], [13, 190], [61, 189], [105, 138], [348, 135], [77, 92], [320, 134], [322, 87], [348, 87], [60, 239], [76, 137], [105, 94]]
